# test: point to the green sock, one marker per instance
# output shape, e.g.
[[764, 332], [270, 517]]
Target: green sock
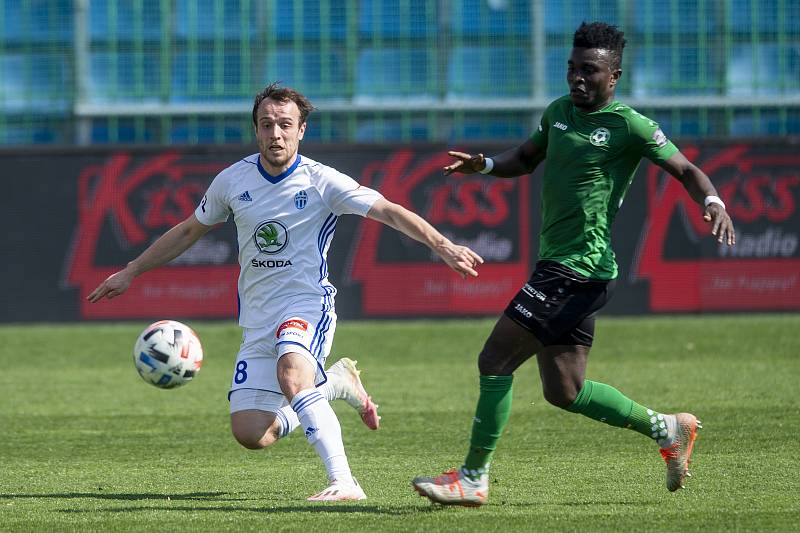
[[491, 416], [603, 402]]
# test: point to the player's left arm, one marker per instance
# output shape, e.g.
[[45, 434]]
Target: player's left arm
[[699, 187], [460, 258]]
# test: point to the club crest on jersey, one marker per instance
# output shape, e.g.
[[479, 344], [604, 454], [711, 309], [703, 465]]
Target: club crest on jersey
[[600, 137], [300, 199], [271, 237]]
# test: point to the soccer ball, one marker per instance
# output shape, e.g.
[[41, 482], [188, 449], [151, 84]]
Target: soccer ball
[[168, 354]]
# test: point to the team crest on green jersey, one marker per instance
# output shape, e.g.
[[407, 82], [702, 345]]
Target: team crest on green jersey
[[600, 137], [271, 237]]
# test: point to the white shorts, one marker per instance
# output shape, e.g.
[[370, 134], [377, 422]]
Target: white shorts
[[305, 329], [262, 400]]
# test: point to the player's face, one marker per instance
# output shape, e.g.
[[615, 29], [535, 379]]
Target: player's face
[[278, 132], [590, 77]]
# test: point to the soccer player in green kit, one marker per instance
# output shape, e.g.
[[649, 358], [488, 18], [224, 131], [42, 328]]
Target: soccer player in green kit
[[593, 145]]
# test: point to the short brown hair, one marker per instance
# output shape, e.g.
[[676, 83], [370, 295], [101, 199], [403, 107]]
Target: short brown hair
[[274, 91]]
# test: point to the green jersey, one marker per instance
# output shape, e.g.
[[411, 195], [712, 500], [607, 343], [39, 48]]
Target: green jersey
[[591, 159]]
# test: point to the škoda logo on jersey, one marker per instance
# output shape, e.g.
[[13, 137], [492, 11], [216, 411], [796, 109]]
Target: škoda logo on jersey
[[271, 237]]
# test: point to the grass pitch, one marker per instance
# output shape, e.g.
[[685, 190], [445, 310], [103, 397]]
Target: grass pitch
[[86, 445]]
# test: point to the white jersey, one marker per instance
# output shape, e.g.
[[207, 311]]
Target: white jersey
[[284, 225]]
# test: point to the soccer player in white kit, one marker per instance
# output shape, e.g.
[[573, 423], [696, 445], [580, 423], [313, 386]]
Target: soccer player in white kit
[[285, 207]]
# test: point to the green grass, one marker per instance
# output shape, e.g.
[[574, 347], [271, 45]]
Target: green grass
[[86, 445]]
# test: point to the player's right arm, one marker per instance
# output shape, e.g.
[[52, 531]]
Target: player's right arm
[[515, 162], [166, 248]]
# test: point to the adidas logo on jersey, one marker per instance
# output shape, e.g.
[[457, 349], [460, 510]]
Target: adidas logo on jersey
[[559, 125], [245, 197]]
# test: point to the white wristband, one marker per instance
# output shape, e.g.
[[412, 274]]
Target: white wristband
[[489, 165], [713, 200]]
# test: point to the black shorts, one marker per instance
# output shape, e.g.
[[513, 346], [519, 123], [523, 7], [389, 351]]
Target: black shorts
[[559, 305]]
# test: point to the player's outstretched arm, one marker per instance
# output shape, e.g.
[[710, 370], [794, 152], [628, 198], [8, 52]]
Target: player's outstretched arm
[[460, 258], [700, 188], [515, 162], [166, 248]]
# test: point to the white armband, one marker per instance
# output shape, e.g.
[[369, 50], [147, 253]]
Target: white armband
[[489, 165], [713, 200]]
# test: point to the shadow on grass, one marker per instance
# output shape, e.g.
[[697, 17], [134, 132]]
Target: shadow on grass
[[192, 496], [279, 509], [269, 507]]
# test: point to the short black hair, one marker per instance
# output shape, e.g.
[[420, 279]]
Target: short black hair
[[601, 35], [274, 91]]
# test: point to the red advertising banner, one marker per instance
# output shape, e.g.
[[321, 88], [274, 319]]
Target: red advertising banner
[[138, 199], [761, 186], [487, 214], [100, 208]]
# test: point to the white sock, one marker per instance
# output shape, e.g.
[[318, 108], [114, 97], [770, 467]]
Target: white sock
[[287, 419], [671, 423], [330, 389], [323, 432]]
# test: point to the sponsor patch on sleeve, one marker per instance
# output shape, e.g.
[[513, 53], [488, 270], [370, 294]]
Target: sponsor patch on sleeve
[[659, 138], [292, 329]]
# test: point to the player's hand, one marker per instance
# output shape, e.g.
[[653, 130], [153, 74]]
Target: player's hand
[[721, 224], [113, 286], [466, 164], [460, 258]]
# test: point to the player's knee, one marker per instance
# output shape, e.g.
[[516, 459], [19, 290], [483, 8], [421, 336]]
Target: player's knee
[[490, 361], [252, 438], [559, 396]]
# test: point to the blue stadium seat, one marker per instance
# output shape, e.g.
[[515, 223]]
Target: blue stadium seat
[[390, 129], [124, 131], [746, 124], [204, 132], [46, 132], [484, 129], [555, 65], [564, 17], [393, 72], [205, 86], [308, 71], [45, 21], [489, 71], [309, 18], [494, 18], [756, 69], [105, 24], [667, 71], [393, 19], [763, 16], [655, 16], [35, 82], [113, 77], [198, 19]]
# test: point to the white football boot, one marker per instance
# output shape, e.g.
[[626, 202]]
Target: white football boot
[[348, 387], [678, 455], [340, 491]]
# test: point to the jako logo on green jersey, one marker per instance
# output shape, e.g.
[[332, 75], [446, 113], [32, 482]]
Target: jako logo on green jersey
[[600, 137], [271, 237]]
